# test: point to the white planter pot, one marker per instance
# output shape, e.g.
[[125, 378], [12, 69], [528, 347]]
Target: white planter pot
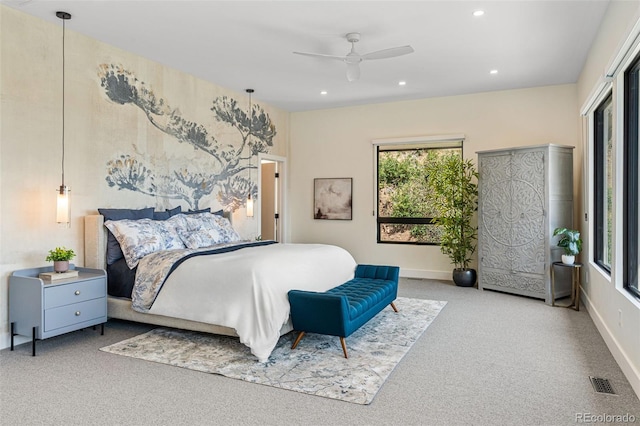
[[568, 260]]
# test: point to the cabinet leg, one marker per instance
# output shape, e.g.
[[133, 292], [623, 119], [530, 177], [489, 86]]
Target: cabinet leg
[[33, 342], [12, 334], [576, 285], [553, 287], [102, 329]]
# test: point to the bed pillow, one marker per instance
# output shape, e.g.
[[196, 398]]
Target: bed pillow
[[167, 213], [207, 210], [201, 238], [139, 238], [114, 252], [198, 221], [226, 229], [206, 229]]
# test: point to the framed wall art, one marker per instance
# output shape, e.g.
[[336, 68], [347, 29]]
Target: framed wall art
[[332, 198]]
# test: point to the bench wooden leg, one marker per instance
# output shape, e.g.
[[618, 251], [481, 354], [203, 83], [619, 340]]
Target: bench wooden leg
[[300, 336], [344, 347], [394, 307]]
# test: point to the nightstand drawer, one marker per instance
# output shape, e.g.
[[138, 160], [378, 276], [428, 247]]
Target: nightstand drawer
[[73, 293], [65, 316]]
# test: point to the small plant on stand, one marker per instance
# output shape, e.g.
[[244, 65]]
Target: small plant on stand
[[60, 256], [571, 242]]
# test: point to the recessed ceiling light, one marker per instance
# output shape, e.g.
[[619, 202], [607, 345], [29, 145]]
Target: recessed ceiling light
[[402, 83], [324, 92], [478, 13], [493, 72]]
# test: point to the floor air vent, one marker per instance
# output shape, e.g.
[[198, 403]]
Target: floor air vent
[[601, 385]]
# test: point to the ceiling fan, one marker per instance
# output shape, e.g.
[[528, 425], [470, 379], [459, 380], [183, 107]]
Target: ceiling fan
[[353, 58]]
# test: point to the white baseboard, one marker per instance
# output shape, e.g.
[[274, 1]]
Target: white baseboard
[[627, 367], [424, 274]]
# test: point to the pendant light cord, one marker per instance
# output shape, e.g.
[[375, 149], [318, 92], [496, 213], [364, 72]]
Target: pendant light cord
[[250, 91], [63, 92]]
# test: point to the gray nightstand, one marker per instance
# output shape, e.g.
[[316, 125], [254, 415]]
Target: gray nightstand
[[42, 309]]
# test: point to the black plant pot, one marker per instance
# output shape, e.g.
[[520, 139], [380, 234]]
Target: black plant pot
[[464, 277]]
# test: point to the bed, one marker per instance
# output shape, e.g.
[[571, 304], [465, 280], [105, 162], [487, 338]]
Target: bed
[[237, 292]]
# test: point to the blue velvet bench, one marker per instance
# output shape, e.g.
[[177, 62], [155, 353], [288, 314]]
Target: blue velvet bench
[[342, 310]]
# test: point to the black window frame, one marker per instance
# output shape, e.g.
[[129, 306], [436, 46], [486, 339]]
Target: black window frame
[[600, 177], [630, 184], [382, 220]]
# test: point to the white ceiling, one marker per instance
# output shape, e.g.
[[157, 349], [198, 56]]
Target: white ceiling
[[249, 44]]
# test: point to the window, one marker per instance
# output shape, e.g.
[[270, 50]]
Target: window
[[404, 214], [631, 163], [603, 184]]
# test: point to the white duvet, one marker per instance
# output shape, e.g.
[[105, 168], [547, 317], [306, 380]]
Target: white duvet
[[247, 289]]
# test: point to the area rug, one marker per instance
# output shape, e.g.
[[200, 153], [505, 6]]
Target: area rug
[[317, 366]]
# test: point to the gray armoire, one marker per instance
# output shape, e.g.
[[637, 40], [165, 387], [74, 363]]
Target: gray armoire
[[524, 194]]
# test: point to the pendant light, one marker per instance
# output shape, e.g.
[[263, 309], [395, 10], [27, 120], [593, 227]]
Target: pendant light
[[249, 199], [63, 207]]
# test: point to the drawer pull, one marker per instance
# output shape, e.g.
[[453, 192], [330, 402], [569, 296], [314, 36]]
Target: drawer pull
[[77, 293], [77, 313]]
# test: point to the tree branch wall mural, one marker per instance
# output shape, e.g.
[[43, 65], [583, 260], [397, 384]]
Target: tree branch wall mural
[[226, 165]]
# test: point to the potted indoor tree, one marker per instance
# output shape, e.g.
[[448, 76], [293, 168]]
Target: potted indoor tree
[[60, 256], [454, 197], [571, 242]]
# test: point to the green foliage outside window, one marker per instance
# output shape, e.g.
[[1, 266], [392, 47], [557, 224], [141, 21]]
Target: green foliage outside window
[[403, 193]]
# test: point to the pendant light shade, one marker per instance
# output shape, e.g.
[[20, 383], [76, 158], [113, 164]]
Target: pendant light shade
[[63, 210], [249, 206]]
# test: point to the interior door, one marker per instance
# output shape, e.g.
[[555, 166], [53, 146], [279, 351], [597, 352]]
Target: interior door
[[268, 201]]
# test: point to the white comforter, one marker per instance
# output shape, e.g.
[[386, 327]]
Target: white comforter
[[247, 289]]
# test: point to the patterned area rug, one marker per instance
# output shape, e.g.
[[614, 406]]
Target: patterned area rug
[[317, 366]]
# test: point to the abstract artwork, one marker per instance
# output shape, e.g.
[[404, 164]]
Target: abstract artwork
[[223, 147], [332, 198]]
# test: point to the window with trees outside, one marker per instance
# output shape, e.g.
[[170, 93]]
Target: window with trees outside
[[404, 215], [630, 183], [603, 184]]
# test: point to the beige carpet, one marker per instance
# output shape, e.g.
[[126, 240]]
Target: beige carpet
[[317, 366]]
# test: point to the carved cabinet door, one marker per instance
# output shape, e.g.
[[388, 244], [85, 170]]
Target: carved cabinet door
[[528, 212], [495, 211], [512, 226]]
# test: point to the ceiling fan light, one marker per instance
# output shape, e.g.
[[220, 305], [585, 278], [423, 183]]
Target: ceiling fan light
[[353, 72]]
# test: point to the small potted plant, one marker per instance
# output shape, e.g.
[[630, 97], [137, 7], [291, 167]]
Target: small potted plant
[[571, 242], [60, 257]]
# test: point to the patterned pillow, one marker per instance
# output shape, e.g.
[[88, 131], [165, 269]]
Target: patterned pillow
[[198, 221], [114, 253], [206, 227], [139, 238], [201, 238], [229, 234], [169, 231]]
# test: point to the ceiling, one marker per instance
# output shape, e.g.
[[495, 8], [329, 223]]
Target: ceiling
[[249, 44]]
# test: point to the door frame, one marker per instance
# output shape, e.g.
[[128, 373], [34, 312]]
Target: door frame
[[282, 229]]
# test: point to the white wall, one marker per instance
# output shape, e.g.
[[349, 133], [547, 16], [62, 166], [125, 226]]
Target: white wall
[[337, 143], [605, 297], [97, 130]]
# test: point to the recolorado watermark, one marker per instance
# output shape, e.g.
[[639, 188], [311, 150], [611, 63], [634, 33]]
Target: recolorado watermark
[[605, 418]]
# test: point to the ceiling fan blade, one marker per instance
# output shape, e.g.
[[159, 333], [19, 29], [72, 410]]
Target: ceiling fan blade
[[388, 53], [320, 55], [353, 72]]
